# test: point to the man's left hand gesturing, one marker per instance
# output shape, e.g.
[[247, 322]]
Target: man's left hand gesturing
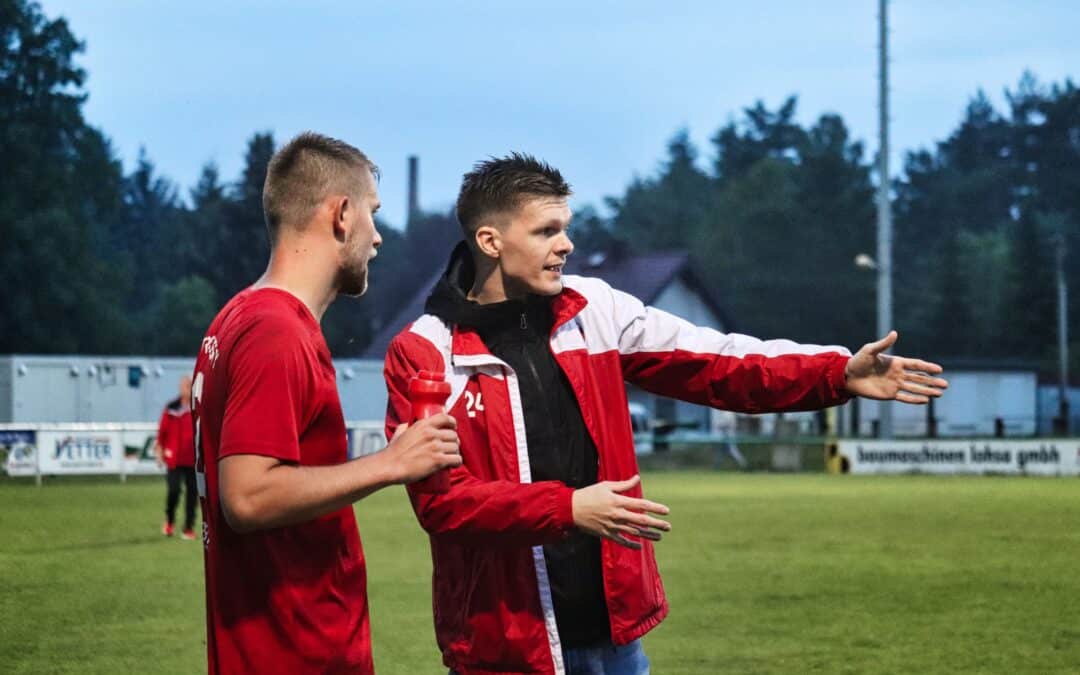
[[873, 374]]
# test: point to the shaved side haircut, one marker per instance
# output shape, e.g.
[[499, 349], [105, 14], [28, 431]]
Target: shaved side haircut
[[304, 172], [499, 185]]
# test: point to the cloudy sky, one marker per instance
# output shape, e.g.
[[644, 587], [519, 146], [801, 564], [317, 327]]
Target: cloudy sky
[[596, 88]]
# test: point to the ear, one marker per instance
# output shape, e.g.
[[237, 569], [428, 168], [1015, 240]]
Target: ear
[[488, 241], [340, 209]]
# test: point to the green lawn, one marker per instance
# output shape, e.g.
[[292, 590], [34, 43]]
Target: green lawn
[[765, 574]]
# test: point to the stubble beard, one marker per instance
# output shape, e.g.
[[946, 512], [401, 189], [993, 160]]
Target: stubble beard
[[354, 282], [354, 276]]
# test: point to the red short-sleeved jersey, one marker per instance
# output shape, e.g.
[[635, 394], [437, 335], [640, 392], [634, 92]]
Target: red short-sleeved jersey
[[175, 436], [290, 599]]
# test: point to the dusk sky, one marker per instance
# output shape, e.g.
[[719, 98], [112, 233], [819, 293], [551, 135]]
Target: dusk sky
[[595, 88]]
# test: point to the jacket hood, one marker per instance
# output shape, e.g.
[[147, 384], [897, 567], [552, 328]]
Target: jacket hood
[[449, 300]]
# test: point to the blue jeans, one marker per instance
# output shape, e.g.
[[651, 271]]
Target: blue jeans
[[607, 659]]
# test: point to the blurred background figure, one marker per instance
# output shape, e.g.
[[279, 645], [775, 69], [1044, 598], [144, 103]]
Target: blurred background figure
[[175, 448]]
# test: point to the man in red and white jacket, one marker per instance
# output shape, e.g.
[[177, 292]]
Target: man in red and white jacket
[[542, 547]]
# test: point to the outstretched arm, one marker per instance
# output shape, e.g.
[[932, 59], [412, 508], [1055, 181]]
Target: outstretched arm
[[872, 373], [669, 356]]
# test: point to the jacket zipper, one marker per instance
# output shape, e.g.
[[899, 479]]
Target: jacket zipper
[[532, 366]]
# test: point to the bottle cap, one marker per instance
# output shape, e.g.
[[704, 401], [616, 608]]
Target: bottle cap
[[432, 375]]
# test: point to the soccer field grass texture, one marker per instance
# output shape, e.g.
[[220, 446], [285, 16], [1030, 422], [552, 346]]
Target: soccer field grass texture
[[765, 574]]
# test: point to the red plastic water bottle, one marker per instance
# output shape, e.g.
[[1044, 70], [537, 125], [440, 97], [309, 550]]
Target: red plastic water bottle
[[428, 392]]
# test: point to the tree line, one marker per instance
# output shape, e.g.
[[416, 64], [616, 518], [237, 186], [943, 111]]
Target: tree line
[[777, 217], [99, 260]]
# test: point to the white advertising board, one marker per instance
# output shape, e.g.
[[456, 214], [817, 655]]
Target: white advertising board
[[1036, 457], [139, 452], [20, 448], [58, 450], [123, 449], [79, 451]]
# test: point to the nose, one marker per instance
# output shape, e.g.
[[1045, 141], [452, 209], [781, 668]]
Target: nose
[[564, 246], [377, 241]]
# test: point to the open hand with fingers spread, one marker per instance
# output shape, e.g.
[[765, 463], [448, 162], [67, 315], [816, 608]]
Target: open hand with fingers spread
[[873, 374], [602, 511]]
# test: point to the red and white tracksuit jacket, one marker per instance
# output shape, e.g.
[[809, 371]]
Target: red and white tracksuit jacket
[[492, 603]]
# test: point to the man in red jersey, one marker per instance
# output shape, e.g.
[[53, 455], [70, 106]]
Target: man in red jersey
[[175, 449], [285, 575]]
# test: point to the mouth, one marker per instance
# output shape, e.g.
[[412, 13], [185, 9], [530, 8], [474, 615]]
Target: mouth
[[557, 269]]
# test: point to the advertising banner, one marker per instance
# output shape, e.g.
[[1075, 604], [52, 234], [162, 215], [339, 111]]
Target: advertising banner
[[120, 449], [18, 447], [139, 452], [82, 451], [1035, 457]]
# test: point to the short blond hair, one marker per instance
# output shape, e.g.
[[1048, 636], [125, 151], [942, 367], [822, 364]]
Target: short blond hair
[[303, 172]]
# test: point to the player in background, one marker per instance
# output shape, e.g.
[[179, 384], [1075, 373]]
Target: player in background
[[174, 448]]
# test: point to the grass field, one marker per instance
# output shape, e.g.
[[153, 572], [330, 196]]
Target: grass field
[[765, 574]]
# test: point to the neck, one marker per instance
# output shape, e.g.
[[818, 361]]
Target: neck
[[300, 267]]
